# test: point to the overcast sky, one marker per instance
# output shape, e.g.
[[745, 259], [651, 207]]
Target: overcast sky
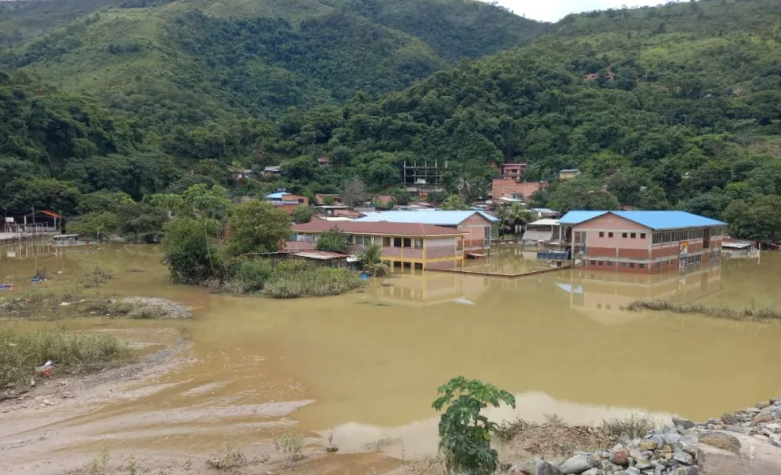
[[554, 10]]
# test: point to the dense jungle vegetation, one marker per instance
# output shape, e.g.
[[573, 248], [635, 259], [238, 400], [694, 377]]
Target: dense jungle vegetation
[[157, 96]]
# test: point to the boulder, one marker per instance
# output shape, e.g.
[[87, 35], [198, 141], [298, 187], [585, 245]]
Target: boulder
[[576, 464], [729, 419], [762, 405], [682, 423], [523, 468], [593, 471], [682, 457], [546, 468], [722, 441], [649, 445], [642, 464], [762, 418], [620, 457], [672, 438]]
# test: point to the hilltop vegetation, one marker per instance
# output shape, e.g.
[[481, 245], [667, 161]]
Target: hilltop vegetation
[[674, 106]]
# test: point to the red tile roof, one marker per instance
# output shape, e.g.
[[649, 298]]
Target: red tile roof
[[381, 227]]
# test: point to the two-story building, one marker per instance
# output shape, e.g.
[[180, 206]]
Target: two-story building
[[408, 245], [642, 241], [477, 224], [514, 171]]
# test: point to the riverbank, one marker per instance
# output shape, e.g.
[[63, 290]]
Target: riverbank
[[745, 442]]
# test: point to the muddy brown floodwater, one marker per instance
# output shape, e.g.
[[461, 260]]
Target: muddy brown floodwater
[[366, 365]]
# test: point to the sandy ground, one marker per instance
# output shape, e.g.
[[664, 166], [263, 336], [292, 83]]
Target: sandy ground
[[61, 426]]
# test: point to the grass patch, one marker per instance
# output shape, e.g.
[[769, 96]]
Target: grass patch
[[290, 445], [311, 282], [230, 458], [22, 352], [633, 426], [95, 278], [750, 312]]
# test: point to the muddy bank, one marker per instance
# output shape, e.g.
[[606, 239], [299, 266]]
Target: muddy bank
[[48, 305]]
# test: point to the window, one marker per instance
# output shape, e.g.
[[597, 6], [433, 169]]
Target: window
[[623, 235], [396, 242], [386, 242], [642, 266], [407, 243], [599, 306], [609, 234], [607, 306], [634, 235], [631, 265], [642, 235], [593, 263], [359, 240], [601, 234], [350, 239], [601, 263], [418, 244], [623, 264]]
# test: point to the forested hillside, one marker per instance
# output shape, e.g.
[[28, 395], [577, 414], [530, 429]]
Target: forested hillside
[[675, 106]]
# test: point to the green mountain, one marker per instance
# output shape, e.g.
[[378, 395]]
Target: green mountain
[[672, 106], [254, 58]]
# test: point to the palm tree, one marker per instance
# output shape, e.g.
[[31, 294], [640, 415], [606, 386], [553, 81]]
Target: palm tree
[[371, 260], [453, 202], [513, 216]]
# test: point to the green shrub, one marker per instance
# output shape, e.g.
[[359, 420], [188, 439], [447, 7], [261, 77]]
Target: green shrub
[[252, 275], [310, 282], [332, 240], [94, 225], [464, 433], [189, 253]]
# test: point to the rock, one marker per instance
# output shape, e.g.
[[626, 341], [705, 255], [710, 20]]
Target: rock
[[522, 469], [632, 471], [545, 468], [762, 405], [672, 438], [762, 418], [752, 410], [649, 445], [775, 427], [593, 471], [620, 457], [682, 457], [682, 423], [575, 464], [642, 464], [595, 459], [728, 419]]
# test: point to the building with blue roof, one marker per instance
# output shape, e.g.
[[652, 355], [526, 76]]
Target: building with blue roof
[[477, 223], [642, 241]]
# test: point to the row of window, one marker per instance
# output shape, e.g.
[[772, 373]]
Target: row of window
[[360, 240], [384, 241], [623, 264], [623, 235], [675, 236]]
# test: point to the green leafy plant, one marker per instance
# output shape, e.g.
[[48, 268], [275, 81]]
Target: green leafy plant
[[465, 434], [333, 240], [371, 260]]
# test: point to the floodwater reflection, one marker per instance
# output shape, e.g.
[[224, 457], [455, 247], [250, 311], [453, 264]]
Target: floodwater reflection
[[371, 361]]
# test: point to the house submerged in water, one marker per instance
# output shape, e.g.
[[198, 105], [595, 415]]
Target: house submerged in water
[[642, 241]]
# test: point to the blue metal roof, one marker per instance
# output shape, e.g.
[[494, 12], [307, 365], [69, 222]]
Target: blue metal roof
[[668, 219], [435, 217], [656, 220], [276, 196], [577, 217]]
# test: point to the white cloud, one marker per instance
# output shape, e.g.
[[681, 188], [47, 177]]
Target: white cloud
[[554, 10]]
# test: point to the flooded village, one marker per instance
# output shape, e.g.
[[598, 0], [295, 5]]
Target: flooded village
[[544, 314]]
